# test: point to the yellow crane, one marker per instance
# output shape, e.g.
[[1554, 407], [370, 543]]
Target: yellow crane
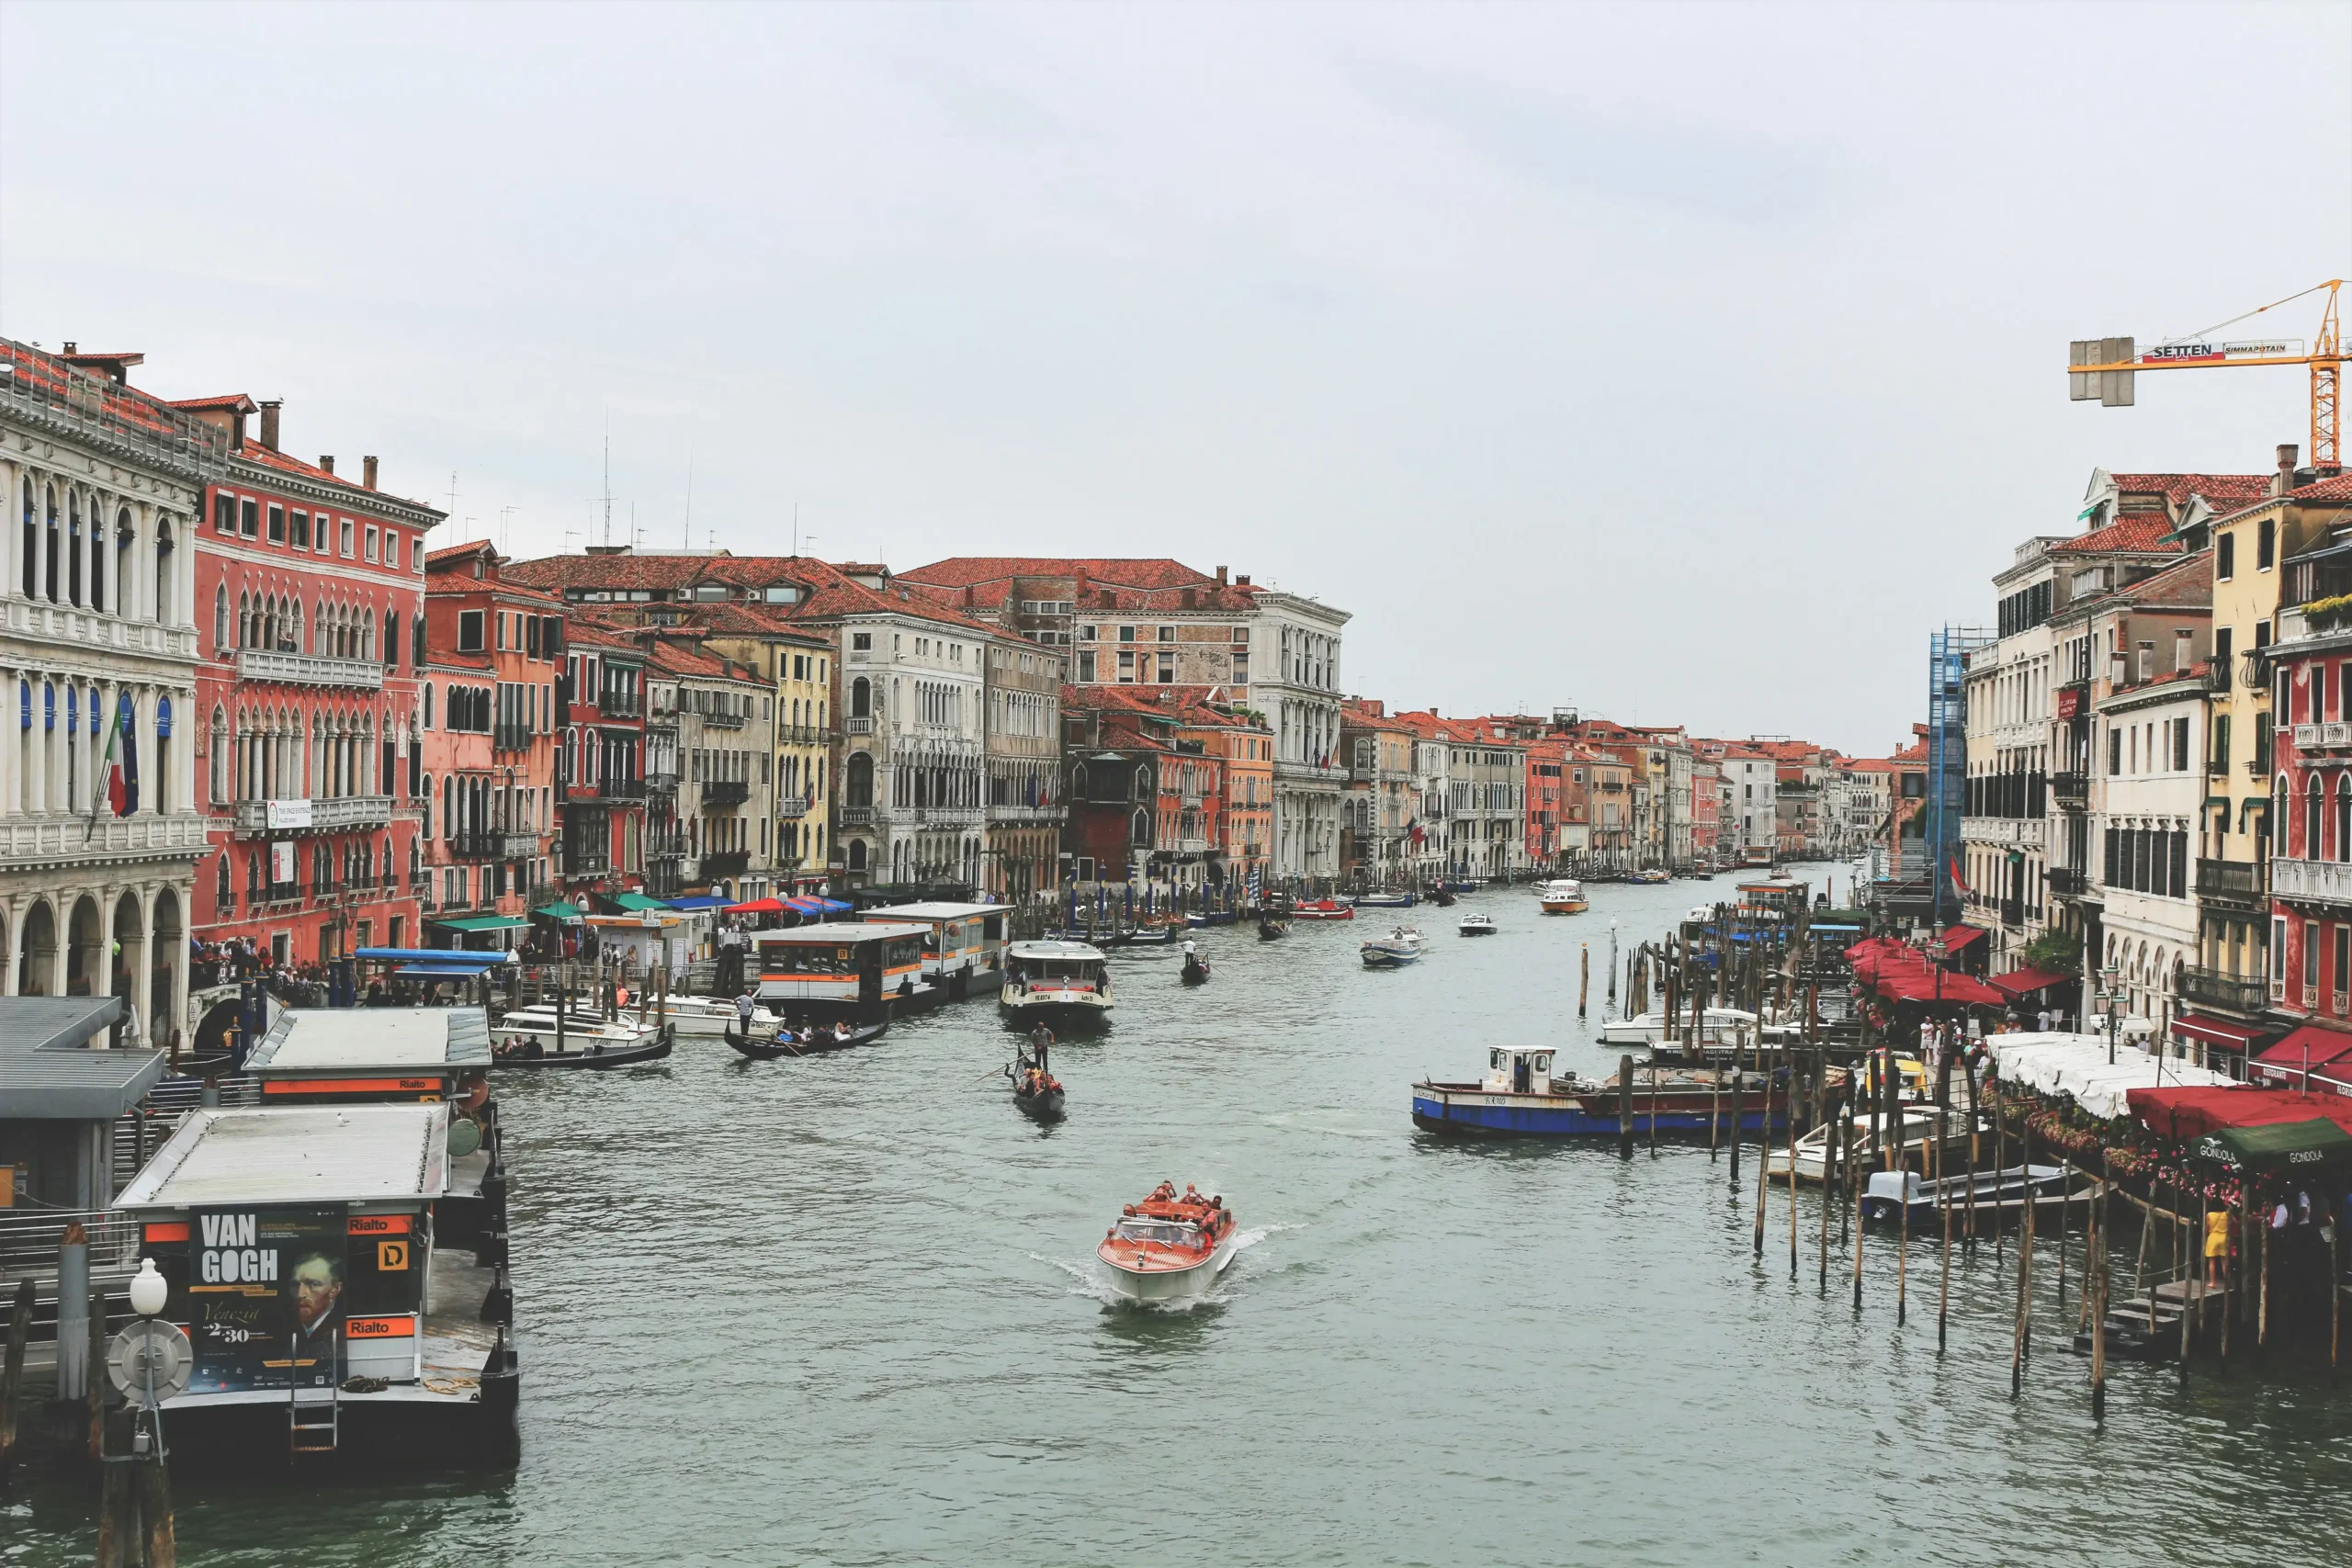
[[2103, 368]]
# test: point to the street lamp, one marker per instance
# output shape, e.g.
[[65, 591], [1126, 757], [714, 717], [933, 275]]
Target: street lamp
[[2113, 995]]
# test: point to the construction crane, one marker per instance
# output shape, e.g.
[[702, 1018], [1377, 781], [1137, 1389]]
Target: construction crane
[[2103, 368]]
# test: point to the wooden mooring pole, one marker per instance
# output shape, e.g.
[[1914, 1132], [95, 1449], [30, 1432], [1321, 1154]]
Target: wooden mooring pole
[[1625, 1107], [1763, 1154], [1583, 975], [12, 1371]]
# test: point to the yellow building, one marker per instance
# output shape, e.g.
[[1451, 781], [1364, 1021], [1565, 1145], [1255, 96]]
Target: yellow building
[[797, 666]]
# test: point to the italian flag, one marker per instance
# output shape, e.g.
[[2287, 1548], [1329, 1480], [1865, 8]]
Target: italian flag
[[119, 773]]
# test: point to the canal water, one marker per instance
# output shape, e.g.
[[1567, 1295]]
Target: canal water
[[843, 1311]]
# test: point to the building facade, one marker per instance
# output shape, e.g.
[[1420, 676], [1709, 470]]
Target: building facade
[[96, 592], [1025, 816]]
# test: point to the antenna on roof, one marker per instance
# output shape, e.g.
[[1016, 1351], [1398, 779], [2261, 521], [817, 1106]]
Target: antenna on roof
[[689, 534], [451, 509], [609, 475], [795, 527]]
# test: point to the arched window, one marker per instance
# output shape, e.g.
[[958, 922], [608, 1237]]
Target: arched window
[[31, 546], [1139, 829], [73, 547], [217, 769], [860, 782], [857, 854], [2344, 818], [425, 832], [1143, 784], [220, 619], [2313, 847], [319, 625], [449, 808], [368, 633], [49, 545], [861, 699], [224, 894], [166, 606], [159, 789]]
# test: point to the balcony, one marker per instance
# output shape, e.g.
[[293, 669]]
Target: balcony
[[308, 669], [265, 818], [67, 838], [727, 863], [2217, 678], [2066, 882], [855, 816], [517, 846], [2336, 735], [723, 720], [2239, 883], [1011, 815], [613, 787], [510, 737], [475, 844], [947, 815], [857, 727], [792, 807], [2072, 790], [726, 792], [2230, 993], [664, 782], [2311, 881]]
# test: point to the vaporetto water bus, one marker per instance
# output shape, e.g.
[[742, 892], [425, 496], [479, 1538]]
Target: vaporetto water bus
[[1562, 896], [1057, 983], [864, 970], [963, 952], [1519, 1097]]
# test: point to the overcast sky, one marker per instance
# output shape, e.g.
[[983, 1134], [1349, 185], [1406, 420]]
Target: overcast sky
[[1680, 364]]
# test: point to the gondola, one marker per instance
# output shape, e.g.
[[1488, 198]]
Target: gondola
[[531, 1054], [1045, 1105], [1196, 970], [1035, 1089], [1270, 928], [776, 1046]]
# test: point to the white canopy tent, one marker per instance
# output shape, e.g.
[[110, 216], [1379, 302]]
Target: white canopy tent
[[2076, 1064]]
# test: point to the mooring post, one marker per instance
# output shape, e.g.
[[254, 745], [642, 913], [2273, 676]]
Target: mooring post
[[1625, 1107], [12, 1372]]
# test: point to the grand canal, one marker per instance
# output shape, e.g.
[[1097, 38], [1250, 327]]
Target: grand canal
[[841, 1311]]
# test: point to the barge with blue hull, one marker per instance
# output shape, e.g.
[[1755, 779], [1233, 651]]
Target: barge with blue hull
[[1520, 1097]]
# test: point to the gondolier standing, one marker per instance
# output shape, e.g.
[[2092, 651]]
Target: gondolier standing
[[1041, 1040], [743, 1012]]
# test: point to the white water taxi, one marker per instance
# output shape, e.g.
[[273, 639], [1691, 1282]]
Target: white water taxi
[[1719, 1026], [1401, 947], [1563, 896]]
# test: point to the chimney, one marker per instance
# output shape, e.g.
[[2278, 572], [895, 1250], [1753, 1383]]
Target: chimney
[[2285, 481], [1191, 600], [367, 472], [269, 423], [1242, 581], [1220, 576], [326, 461]]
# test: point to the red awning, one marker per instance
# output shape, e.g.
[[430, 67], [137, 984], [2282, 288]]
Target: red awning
[[2025, 982], [2310, 1046], [2216, 1032], [1957, 937], [2191, 1113], [756, 906], [1952, 991]]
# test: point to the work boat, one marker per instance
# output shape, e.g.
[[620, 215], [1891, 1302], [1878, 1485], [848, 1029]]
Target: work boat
[[528, 1037], [1324, 909], [1520, 1097], [1055, 982], [1167, 1247], [1718, 1026], [1561, 896], [1399, 948]]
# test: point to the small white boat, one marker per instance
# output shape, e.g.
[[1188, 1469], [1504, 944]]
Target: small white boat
[[1478, 925], [1717, 1026], [1064, 982], [1167, 1247], [531, 1036], [1651, 878], [1401, 947], [1562, 896], [713, 1016], [1918, 1122]]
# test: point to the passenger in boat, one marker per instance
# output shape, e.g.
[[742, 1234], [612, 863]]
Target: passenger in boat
[[842, 1029], [1163, 1194]]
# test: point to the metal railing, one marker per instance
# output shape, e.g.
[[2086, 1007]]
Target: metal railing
[[2213, 988], [511, 736], [724, 720], [330, 814], [44, 389], [726, 862], [2245, 880], [726, 792], [610, 787], [2070, 786]]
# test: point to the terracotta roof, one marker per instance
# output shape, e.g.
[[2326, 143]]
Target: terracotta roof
[[2336, 487], [2135, 533], [1104, 571], [1188, 705], [829, 593], [227, 403], [2219, 489]]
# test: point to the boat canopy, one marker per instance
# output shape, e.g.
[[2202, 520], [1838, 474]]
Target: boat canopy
[[361, 1040], [343, 1154], [833, 933], [483, 923], [450, 957]]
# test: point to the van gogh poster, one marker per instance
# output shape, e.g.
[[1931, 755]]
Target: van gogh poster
[[265, 1298]]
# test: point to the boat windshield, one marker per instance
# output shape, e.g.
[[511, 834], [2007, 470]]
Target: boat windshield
[[1168, 1233]]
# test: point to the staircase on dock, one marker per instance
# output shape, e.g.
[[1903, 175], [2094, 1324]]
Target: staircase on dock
[[2147, 1326], [315, 1417]]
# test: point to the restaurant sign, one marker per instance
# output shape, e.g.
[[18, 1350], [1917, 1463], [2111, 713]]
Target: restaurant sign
[[265, 1298], [2070, 701]]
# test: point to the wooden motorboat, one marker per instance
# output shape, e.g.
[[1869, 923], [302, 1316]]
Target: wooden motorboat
[[1817, 1149], [809, 1041], [1395, 950], [1478, 925], [1168, 1248], [1562, 896], [1384, 901]]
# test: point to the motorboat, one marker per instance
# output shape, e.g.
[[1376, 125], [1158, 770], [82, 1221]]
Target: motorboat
[[1697, 914], [1478, 925], [1717, 1026], [1324, 909], [1992, 1197], [1196, 969], [1384, 901], [1168, 1248], [534, 1037], [1393, 950], [1562, 896], [780, 1039], [1652, 878], [1520, 1096], [1816, 1150], [1066, 982]]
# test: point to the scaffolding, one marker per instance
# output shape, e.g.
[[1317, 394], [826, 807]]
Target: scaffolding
[[1947, 652]]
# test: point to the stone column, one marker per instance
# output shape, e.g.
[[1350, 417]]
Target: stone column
[[11, 911]]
